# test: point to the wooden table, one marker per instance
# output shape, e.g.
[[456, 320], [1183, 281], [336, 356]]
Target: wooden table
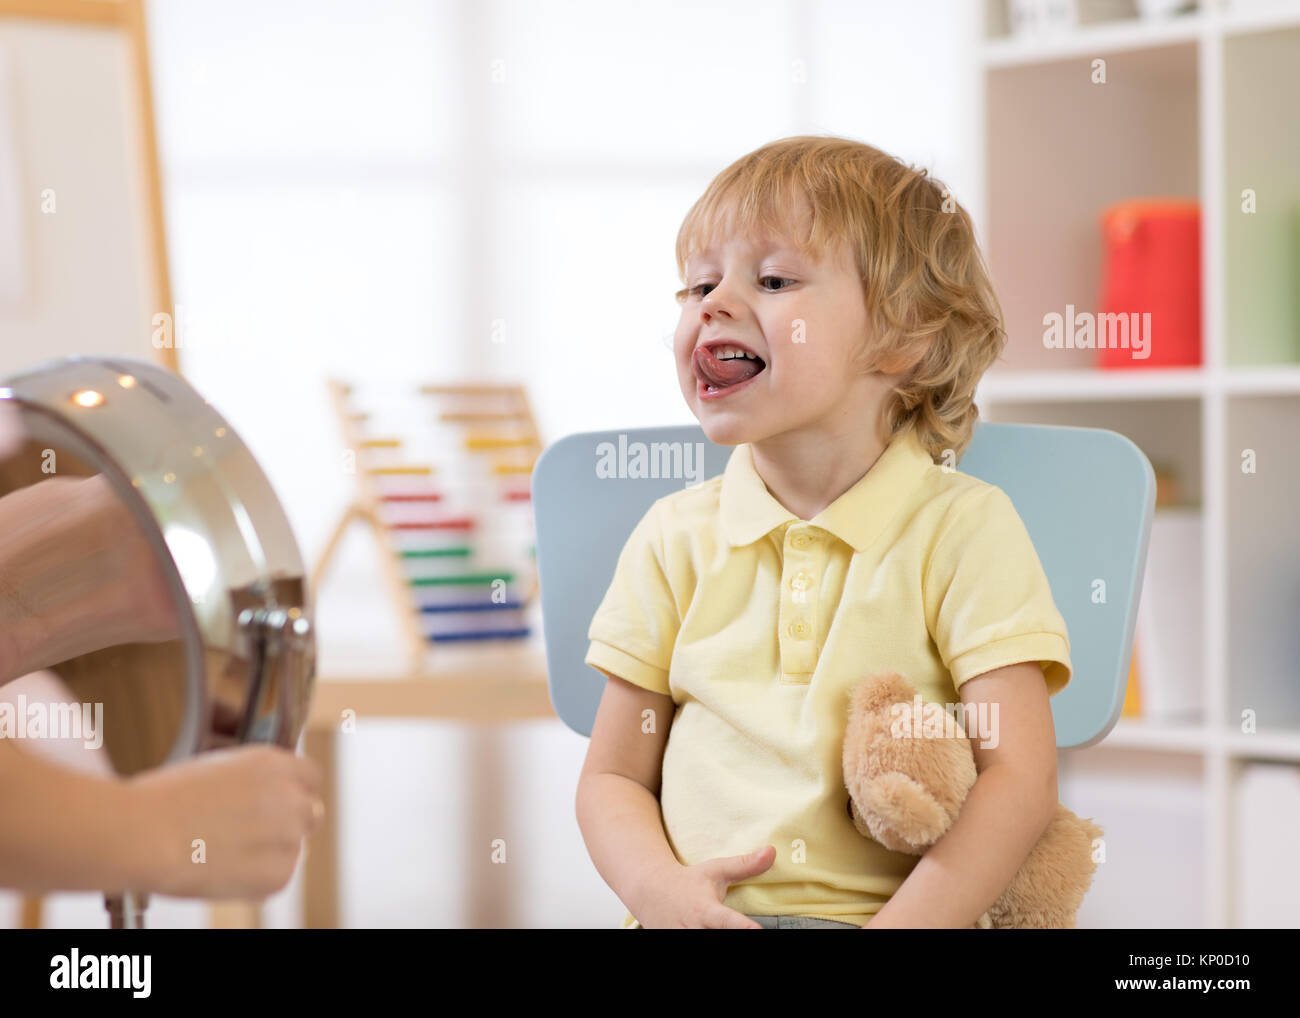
[[487, 684]]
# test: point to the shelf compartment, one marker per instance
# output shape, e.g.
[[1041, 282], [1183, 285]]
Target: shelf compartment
[[1263, 560], [1051, 176], [1152, 811], [1168, 431], [1265, 828], [1261, 257]]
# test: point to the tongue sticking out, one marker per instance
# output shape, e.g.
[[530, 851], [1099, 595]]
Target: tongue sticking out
[[723, 373]]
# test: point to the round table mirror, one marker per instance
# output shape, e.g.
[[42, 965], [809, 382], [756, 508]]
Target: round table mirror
[[153, 599]]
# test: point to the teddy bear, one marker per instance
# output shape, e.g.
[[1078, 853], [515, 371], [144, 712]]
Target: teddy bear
[[906, 792]]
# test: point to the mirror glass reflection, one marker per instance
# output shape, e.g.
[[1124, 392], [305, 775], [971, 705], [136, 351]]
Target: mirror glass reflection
[[133, 633], [93, 653]]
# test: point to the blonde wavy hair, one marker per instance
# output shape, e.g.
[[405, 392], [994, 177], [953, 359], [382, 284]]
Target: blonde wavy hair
[[933, 313]]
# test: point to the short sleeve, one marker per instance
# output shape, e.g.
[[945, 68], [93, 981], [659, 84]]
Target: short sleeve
[[634, 630], [988, 603]]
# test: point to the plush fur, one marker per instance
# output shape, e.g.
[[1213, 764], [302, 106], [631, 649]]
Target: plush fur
[[906, 792]]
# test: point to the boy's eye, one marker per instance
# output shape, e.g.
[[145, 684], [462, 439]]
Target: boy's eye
[[696, 290]]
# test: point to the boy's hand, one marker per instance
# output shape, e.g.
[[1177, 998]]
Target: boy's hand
[[690, 897], [250, 805]]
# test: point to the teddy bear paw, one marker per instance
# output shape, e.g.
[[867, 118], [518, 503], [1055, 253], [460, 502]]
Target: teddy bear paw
[[897, 811]]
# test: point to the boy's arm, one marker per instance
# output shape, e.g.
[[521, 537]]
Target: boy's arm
[[1005, 813], [617, 798]]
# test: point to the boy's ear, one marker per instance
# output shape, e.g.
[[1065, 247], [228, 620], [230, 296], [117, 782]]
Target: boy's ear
[[896, 363], [892, 365]]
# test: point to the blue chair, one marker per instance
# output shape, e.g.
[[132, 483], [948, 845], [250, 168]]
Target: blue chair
[[1086, 496]]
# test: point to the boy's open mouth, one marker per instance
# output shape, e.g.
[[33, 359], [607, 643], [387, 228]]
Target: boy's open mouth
[[719, 373]]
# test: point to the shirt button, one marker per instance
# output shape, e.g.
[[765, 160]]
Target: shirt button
[[801, 581], [798, 629], [801, 541]]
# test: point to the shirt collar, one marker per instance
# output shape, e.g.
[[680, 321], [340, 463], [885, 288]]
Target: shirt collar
[[749, 511]]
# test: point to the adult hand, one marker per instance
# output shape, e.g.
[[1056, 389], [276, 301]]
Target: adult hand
[[225, 824]]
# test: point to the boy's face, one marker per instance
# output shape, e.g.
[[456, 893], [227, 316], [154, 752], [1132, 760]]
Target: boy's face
[[805, 320]]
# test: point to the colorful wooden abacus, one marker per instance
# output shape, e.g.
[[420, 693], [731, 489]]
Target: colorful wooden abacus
[[450, 506]]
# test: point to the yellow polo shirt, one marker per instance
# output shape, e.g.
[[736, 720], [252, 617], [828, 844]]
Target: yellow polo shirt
[[758, 624]]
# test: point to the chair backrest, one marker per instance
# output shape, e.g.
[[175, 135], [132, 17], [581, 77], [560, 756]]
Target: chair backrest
[[1086, 496]]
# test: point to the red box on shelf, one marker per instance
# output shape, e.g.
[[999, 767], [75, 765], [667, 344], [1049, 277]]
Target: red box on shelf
[[1152, 275]]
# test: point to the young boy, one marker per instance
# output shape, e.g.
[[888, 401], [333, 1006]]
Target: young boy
[[836, 319]]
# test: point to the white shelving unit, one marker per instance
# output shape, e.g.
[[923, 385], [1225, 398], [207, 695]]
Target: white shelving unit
[[1199, 105]]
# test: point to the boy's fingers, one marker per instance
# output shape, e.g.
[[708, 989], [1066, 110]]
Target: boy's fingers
[[737, 867], [723, 918]]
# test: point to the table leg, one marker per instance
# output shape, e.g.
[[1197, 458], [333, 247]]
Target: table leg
[[232, 915], [488, 890], [29, 914], [321, 866]]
